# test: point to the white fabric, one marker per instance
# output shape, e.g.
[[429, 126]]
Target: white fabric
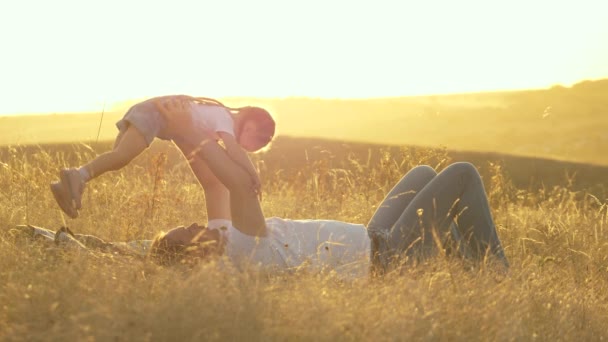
[[215, 118], [221, 225], [218, 223], [317, 245], [84, 174]]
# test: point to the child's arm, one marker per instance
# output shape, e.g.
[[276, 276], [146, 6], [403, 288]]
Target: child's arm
[[236, 153]]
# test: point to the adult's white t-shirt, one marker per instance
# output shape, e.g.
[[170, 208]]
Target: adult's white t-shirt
[[317, 245]]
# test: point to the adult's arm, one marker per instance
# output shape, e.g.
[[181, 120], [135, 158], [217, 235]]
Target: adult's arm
[[245, 207], [238, 154], [217, 196]]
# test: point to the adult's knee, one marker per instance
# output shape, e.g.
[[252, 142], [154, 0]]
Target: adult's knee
[[463, 169], [422, 171]]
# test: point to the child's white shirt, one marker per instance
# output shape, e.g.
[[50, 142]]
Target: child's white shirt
[[215, 118]]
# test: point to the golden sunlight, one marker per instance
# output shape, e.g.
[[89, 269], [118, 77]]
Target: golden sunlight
[[71, 56]]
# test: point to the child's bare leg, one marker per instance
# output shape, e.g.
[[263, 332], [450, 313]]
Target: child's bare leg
[[129, 144], [118, 139]]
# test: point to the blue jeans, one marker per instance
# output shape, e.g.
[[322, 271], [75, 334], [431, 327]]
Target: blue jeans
[[424, 208]]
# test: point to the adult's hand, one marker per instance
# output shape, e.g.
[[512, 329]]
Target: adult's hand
[[176, 111]]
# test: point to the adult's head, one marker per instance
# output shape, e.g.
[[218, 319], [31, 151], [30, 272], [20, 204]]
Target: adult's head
[[186, 244]]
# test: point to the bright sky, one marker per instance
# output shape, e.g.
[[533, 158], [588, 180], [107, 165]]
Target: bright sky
[[72, 55]]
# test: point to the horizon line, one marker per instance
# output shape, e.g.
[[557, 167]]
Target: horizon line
[[108, 105]]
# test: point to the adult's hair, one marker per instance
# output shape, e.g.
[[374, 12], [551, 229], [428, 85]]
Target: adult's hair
[[164, 251], [167, 252]]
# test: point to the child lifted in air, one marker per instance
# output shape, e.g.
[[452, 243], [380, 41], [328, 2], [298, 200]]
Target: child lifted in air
[[241, 130]]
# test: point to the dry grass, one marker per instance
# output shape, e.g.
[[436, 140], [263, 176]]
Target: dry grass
[[560, 123], [556, 240]]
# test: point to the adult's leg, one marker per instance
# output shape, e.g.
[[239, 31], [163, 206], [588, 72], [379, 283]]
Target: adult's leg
[[455, 193], [395, 202], [217, 196], [390, 209]]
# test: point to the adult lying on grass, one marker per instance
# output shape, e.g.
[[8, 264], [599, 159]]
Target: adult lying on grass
[[396, 233], [423, 210], [64, 238]]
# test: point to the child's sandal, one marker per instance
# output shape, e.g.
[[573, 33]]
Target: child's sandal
[[63, 197]]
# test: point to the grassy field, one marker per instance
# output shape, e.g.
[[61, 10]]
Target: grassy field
[[552, 219], [559, 123]]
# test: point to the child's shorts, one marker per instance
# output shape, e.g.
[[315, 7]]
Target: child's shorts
[[147, 119]]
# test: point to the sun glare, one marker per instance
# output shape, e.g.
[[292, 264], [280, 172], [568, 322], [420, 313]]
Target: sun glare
[[71, 56]]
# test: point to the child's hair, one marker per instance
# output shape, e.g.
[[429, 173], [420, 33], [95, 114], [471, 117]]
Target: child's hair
[[265, 123], [264, 120]]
